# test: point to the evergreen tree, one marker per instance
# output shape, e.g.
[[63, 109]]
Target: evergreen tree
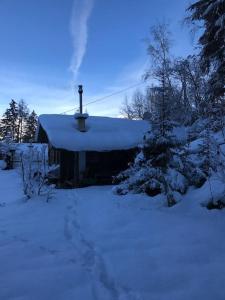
[[18, 123], [31, 126], [10, 121], [158, 168], [212, 40], [163, 166]]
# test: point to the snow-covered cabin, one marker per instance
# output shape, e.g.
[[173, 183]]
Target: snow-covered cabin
[[89, 150]]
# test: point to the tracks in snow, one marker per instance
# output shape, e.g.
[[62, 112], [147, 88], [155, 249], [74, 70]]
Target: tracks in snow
[[91, 259]]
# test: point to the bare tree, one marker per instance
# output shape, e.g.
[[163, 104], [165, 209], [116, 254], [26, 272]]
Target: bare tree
[[136, 108], [161, 70], [23, 113], [192, 86], [126, 109]]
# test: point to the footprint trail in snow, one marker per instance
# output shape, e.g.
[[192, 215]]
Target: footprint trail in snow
[[90, 257]]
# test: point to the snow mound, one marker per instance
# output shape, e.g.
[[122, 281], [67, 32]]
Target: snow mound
[[2, 164]]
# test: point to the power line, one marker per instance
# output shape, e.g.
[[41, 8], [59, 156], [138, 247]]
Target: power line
[[107, 96]]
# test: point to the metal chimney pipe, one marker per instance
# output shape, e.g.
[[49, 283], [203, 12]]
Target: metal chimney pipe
[[80, 91], [80, 117]]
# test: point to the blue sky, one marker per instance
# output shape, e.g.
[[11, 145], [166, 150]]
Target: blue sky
[[47, 47]]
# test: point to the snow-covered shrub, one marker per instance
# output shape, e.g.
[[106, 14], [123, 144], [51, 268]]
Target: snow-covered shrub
[[7, 151], [216, 205], [34, 171], [7, 144], [166, 165], [196, 177], [216, 198], [192, 169], [177, 181], [211, 160], [157, 169]]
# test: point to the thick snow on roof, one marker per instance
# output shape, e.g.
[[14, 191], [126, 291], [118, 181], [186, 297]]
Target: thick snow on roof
[[103, 133]]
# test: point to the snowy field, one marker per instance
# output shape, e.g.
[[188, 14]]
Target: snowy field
[[90, 244]]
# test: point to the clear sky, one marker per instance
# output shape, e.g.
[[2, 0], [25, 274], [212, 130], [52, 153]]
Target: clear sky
[[47, 47]]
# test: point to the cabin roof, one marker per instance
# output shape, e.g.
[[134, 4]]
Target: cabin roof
[[103, 133]]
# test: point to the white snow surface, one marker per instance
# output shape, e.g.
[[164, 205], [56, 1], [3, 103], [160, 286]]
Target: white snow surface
[[103, 133], [2, 164], [90, 244]]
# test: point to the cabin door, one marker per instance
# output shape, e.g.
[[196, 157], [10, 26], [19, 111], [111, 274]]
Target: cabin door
[[69, 166]]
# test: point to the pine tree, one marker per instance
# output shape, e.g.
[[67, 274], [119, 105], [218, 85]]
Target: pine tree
[[10, 121], [31, 126], [18, 123], [157, 169], [212, 40]]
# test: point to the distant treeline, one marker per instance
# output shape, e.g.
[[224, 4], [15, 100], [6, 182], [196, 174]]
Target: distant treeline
[[18, 123]]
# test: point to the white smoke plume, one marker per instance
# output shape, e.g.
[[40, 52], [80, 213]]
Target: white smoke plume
[[79, 31]]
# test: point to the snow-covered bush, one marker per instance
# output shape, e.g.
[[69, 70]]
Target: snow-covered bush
[[158, 168], [214, 164], [7, 144], [34, 171], [7, 151], [208, 160], [168, 166]]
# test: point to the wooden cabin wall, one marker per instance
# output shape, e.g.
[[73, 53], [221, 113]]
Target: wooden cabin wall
[[54, 156], [69, 169], [103, 165], [99, 169]]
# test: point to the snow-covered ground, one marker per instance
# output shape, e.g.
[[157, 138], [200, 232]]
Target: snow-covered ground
[[88, 244]]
